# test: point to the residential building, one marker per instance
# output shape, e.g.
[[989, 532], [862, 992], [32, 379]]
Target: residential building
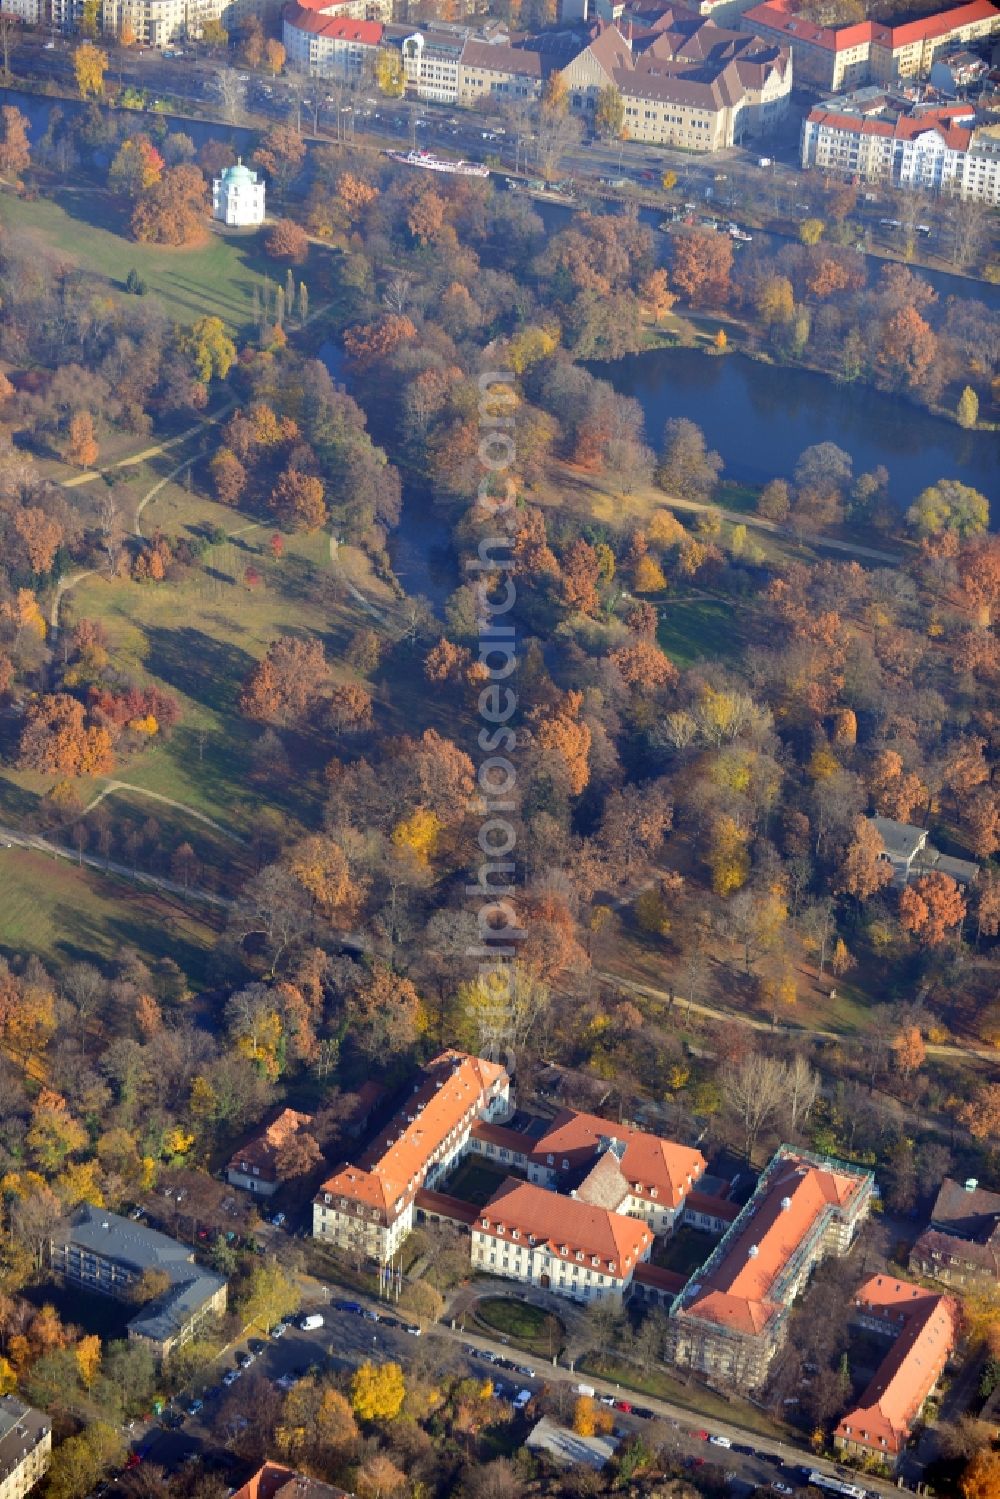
[[730, 1318], [955, 72], [532, 1235], [922, 1327], [431, 60], [844, 57], [962, 1245], [275, 1481], [238, 200], [25, 1447], [255, 1167], [368, 1208], [684, 81], [158, 23], [111, 1255], [906, 848], [874, 137], [347, 10], [568, 1450], [31, 12], [329, 45]]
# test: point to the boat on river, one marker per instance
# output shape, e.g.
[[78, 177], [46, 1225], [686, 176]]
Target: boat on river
[[431, 163]]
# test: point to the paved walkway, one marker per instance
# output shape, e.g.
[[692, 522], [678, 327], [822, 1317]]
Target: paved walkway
[[33, 842], [110, 787]]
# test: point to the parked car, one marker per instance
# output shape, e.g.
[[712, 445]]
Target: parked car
[[524, 1371], [278, 1220], [370, 1315], [643, 1412], [700, 1436], [196, 1407], [782, 1488], [245, 1358], [720, 1441], [412, 1329], [625, 1406], [279, 1329], [610, 1400], [231, 1376], [348, 1306]]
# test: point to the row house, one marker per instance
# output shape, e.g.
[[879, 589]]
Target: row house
[[922, 1327], [844, 57], [932, 150], [529, 1234], [368, 1208], [730, 1318]]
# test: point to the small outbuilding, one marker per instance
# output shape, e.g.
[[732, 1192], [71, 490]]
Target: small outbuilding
[[238, 197]]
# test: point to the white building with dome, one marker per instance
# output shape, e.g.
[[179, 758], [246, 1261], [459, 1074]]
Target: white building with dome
[[238, 198]]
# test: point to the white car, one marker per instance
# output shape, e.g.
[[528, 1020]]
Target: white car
[[720, 1441]]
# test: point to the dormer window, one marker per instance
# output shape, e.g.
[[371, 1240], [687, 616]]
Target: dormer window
[[485, 1222], [653, 1192], [326, 1197], [550, 1160], [579, 1254], [516, 1233], [612, 1266], [595, 1259]]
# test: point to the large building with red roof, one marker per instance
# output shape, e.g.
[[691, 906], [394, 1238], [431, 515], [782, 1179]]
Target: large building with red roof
[[730, 1318], [368, 1208], [922, 1326], [844, 57]]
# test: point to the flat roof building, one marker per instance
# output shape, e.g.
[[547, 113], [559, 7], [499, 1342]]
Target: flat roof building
[[109, 1254]]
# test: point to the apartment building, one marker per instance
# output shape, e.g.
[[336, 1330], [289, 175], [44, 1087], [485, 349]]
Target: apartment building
[[256, 1166], [961, 1247], [934, 149], [730, 1318], [368, 1208], [25, 1447], [562, 1244], [844, 57], [684, 81], [329, 46], [106, 1253], [922, 1327]]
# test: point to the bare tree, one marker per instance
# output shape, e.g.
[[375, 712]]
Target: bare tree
[[230, 91], [397, 294], [556, 138], [754, 1089], [803, 1089], [8, 39]]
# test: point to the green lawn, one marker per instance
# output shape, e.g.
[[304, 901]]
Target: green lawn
[[476, 1181], [66, 914], [198, 637], [698, 629], [528, 1326], [708, 1404], [88, 228]]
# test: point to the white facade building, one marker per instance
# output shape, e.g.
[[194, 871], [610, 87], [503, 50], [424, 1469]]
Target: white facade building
[[875, 138], [329, 45], [238, 198]]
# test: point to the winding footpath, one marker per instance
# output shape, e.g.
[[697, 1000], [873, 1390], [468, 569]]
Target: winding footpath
[[9, 838], [110, 787]]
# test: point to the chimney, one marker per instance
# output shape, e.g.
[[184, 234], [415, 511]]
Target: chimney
[[971, 1184], [786, 1203], [753, 1251]]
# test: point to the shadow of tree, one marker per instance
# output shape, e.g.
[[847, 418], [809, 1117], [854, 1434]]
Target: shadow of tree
[[206, 670]]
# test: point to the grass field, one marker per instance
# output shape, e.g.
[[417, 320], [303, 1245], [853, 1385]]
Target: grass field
[[692, 1397], [198, 637], [86, 227], [692, 629], [65, 914], [527, 1326]]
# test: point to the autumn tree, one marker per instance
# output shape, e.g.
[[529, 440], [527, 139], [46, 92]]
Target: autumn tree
[[270, 1295], [979, 574], [40, 535], [15, 148], [369, 343], [274, 53], [81, 445], [298, 500], [949, 506], [280, 154], [377, 1391], [89, 65], [863, 871], [728, 858], [981, 1113], [931, 908], [609, 115], [173, 210], [981, 1478], [286, 685], [386, 1013], [57, 738], [907, 350], [210, 349], [136, 166], [561, 733], [687, 468], [702, 263], [229, 477], [909, 1050], [287, 240]]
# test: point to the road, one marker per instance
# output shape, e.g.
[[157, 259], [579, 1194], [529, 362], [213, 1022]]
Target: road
[[347, 1339]]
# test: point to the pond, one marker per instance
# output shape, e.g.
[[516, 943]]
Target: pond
[[761, 416]]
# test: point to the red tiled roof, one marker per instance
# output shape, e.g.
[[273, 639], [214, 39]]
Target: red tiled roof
[[779, 15], [445, 1206], [719, 1207], [566, 1227], [910, 1369], [338, 28], [907, 128], [263, 1149], [739, 1292], [454, 1089], [660, 1279], [652, 1167], [274, 1478], [499, 1134]]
